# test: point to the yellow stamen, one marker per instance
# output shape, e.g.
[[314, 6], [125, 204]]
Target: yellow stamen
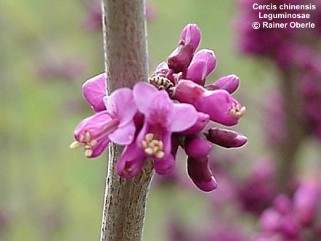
[[160, 145], [93, 142], [74, 145], [149, 151], [153, 146], [88, 152], [155, 149], [149, 137], [160, 154], [85, 141], [87, 136], [144, 143], [237, 112]]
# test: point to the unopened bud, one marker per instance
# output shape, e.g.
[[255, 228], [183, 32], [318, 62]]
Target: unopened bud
[[225, 138], [229, 83]]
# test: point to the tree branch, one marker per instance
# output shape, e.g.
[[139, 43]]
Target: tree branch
[[126, 63]]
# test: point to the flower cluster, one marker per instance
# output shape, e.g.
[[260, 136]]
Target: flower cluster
[[293, 219], [173, 109]]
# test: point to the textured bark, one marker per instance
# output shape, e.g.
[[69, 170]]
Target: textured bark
[[126, 64]]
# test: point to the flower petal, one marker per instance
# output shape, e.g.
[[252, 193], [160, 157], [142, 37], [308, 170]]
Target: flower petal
[[184, 116], [92, 133], [165, 165], [199, 125], [225, 138], [144, 96], [230, 83], [201, 175], [96, 125], [122, 105], [220, 106], [197, 72], [123, 135], [203, 63], [99, 148], [197, 147], [131, 161], [191, 34], [94, 90]]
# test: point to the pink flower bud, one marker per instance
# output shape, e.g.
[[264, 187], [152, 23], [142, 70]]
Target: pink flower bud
[[187, 91], [306, 200], [282, 204], [225, 138], [197, 147], [203, 63], [92, 133], [218, 104], [191, 35], [229, 83], [199, 172], [270, 220], [290, 228], [180, 58]]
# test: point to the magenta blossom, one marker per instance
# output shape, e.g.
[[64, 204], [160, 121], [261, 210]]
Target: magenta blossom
[[94, 90], [162, 118], [114, 124], [182, 56], [225, 138], [197, 146], [229, 83], [218, 104], [191, 35], [199, 171], [294, 218], [203, 63], [172, 110]]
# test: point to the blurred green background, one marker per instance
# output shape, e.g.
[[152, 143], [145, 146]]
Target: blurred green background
[[49, 192]]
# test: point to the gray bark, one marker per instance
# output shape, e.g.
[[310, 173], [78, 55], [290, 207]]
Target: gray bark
[[126, 63]]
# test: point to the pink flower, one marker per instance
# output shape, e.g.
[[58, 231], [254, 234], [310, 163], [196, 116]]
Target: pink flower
[[229, 83], [306, 200], [218, 104], [197, 146], [182, 56], [199, 172], [225, 138], [198, 126], [131, 161], [94, 91], [191, 35], [114, 124], [162, 118], [203, 63], [173, 109]]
